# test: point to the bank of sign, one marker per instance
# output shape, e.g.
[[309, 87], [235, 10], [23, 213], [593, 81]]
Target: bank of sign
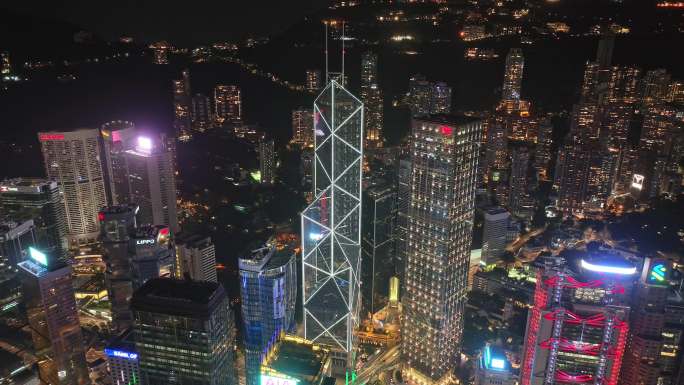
[[270, 380]]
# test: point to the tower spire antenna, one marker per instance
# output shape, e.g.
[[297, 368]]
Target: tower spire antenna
[[325, 28], [343, 39]]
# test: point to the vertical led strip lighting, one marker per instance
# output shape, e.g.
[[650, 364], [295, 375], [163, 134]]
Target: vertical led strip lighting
[[331, 224]]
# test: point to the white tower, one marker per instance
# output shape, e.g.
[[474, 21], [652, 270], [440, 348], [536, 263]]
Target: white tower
[[331, 224]]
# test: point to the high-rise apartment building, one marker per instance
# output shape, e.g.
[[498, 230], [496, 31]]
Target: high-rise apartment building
[[160, 51], [117, 224], [72, 159], [5, 64], [577, 327], [515, 62], [426, 97], [494, 239], [196, 256], [184, 333], [202, 115], [331, 225], [377, 246], [42, 202], [369, 69], [267, 160], [268, 292], [228, 104], [443, 181], [48, 295], [302, 127], [371, 96], [440, 99], [182, 106], [152, 182], [313, 80]]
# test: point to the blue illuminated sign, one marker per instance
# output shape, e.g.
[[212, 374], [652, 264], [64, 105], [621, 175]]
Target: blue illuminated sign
[[121, 354]]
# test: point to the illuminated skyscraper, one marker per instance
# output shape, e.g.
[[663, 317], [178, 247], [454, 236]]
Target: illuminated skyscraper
[[441, 99], [302, 127], [513, 75], [117, 137], [184, 333], [72, 159], [228, 104], [577, 327], [42, 202], [268, 292], [160, 50], [202, 117], [152, 182], [494, 238], [182, 106], [426, 97], [369, 69], [604, 52], [331, 225], [117, 225], [443, 180], [371, 96], [313, 80], [152, 254], [5, 64], [267, 160], [123, 360], [519, 200], [197, 257], [648, 334], [53, 320]]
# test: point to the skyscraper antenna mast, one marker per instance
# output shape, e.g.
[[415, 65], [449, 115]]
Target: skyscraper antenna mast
[[325, 23], [343, 38]]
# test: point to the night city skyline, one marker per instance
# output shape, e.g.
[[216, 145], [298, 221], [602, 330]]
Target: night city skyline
[[342, 192]]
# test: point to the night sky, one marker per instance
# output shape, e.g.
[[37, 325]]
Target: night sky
[[179, 21]]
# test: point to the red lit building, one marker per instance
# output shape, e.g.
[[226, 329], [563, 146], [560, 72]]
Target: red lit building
[[577, 328]]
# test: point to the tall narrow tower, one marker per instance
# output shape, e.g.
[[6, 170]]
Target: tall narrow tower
[[513, 75], [440, 226], [331, 225]]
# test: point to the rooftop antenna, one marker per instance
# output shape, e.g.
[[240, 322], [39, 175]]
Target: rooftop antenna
[[325, 23], [343, 38]]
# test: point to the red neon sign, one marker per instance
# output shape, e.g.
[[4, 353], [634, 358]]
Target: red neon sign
[[100, 217], [48, 137], [446, 130]]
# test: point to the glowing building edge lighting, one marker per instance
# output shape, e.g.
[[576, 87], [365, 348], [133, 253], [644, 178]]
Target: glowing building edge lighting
[[608, 269], [38, 256]]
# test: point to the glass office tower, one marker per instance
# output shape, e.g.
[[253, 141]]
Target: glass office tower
[[184, 333], [268, 290], [331, 224]]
